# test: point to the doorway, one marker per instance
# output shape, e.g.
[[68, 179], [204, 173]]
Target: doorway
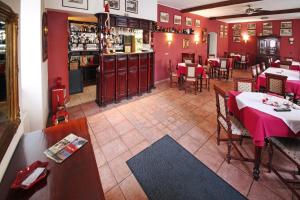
[[212, 43]]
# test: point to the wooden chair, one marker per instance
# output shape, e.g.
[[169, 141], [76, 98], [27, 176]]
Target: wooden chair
[[188, 58], [222, 71], [254, 72], [290, 147], [200, 60], [285, 64], [230, 66], [191, 81], [290, 59], [231, 125], [258, 70], [243, 85], [172, 75], [263, 66], [205, 79], [211, 56], [276, 84], [243, 63], [225, 54]]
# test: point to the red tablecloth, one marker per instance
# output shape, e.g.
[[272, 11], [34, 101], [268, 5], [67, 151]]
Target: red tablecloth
[[183, 70], [259, 124], [291, 86]]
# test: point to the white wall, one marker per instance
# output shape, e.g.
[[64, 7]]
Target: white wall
[[147, 8], [34, 75]]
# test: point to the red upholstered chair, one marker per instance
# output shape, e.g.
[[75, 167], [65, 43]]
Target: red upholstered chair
[[276, 84], [231, 125], [244, 84]]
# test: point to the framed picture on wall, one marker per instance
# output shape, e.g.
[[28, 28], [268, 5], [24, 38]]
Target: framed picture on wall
[[237, 33], [185, 43], [79, 4], [267, 25], [131, 6], [287, 24], [114, 4], [197, 23], [188, 21], [251, 26], [286, 32], [252, 32], [164, 17], [236, 39], [267, 32], [177, 19], [237, 26]]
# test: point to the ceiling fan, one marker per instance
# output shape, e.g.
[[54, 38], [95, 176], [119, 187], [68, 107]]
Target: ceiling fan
[[250, 10]]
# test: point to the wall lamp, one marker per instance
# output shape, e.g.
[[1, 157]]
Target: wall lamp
[[169, 38], [246, 38], [291, 40]]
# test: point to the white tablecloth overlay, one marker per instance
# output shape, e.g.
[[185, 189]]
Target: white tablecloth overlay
[[214, 59], [291, 74], [296, 63], [184, 65], [254, 100]]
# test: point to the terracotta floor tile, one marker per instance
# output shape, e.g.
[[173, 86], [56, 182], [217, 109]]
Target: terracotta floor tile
[[188, 142], [132, 190], [108, 180], [119, 167], [100, 125], [236, 177], [260, 192], [100, 159], [114, 194], [199, 134], [132, 138], [140, 147], [106, 136], [123, 127], [113, 149]]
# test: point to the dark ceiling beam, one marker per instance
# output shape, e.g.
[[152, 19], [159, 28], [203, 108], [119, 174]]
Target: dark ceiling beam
[[274, 12], [217, 5]]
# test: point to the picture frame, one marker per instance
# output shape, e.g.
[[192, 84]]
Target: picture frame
[[177, 19], [197, 23], [185, 43], [251, 32], [164, 17], [267, 32], [225, 34], [236, 39], [113, 4], [78, 4], [236, 33], [237, 27], [251, 26], [221, 27], [286, 25], [44, 37], [204, 35], [132, 6], [286, 32], [267, 25], [188, 21]]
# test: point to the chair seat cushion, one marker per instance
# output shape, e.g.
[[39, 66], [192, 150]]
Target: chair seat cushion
[[191, 79], [290, 146], [236, 127]]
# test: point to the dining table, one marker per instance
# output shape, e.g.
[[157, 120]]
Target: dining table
[[256, 112], [295, 65], [293, 79]]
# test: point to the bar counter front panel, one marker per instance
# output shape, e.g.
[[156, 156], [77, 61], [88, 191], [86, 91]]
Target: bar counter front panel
[[122, 76]]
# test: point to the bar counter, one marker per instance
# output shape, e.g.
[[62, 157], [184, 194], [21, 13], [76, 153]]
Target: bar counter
[[124, 75]]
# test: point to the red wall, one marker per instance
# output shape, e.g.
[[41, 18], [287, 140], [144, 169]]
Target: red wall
[[286, 49], [164, 52], [58, 48]]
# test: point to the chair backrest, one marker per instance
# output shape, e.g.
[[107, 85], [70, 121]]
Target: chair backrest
[[285, 64], [263, 66], [254, 71], [276, 84], [243, 58], [222, 105], [191, 70], [230, 63], [225, 54], [243, 84], [200, 60], [223, 63], [290, 59], [188, 57], [211, 56], [258, 70], [170, 68]]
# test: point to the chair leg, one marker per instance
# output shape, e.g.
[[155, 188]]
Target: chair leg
[[208, 84], [218, 132], [270, 157], [229, 145]]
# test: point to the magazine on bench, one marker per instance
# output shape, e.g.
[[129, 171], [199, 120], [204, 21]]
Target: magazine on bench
[[65, 148]]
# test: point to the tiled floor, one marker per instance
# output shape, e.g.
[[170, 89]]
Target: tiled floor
[[120, 131]]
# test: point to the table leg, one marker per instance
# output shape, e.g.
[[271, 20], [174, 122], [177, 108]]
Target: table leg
[[257, 162]]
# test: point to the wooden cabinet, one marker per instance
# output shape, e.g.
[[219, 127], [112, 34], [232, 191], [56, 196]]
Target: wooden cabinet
[[143, 70], [132, 23], [109, 79], [121, 21], [133, 74], [268, 47], [121, 77]]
